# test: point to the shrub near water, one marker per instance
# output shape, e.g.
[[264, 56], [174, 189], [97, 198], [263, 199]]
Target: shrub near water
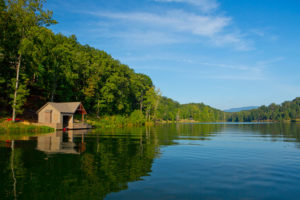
[[136, 118]]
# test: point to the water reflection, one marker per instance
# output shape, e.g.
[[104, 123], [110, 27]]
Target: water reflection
[[88, 165], [276, 131], [91, 165], [71, 142]]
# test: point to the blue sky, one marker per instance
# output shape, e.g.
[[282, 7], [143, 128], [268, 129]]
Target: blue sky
[[224, 53]]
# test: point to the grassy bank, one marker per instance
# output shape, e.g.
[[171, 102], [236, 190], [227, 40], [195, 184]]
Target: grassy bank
[[6, 127]]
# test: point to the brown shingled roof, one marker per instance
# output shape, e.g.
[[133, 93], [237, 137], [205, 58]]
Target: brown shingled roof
[[64, 107]]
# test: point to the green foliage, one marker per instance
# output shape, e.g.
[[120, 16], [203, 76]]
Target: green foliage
[[60, 69], [170, 110], [151, 103], [108, 121], [200, 112], [23, 92], [137, 118], [289, 110], [21, 16]]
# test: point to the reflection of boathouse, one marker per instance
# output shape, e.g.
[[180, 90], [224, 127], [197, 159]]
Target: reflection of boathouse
[[61, 115], [71, 142]]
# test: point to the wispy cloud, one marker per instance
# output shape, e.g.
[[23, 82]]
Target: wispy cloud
[[213, 71], [235, 72], [139, 37], [204, 5], [258, 32], [175, 20], [234, 39], [174, 26], [270, 61], [234, 67], [264, 32], [239, 77], [257, 71]]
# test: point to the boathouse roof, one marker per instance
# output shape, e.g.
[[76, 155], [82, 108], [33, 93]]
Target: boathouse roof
[[65, 107]]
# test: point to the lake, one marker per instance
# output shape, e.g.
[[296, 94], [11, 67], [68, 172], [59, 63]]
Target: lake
[[172, 161]]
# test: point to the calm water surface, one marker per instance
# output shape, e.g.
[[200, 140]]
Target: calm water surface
[[183, 161]]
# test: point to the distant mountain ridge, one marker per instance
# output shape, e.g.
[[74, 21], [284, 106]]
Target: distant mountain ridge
[[241, 109]]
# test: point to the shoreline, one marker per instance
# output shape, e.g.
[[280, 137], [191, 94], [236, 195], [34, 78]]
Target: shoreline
[[109, 122], [26, 127]]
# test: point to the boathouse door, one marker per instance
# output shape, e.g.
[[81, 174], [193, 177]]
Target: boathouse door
[[66, 121]]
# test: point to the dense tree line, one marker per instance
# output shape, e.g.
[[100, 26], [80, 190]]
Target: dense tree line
[[288, 110], [171, 110], [39, 66]]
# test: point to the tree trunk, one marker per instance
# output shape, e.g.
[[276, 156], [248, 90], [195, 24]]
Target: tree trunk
[[98, 107], [16, 88], [54, 85], [178, 115], [53, 92], [148, 114], [141, 103], [155, 107]]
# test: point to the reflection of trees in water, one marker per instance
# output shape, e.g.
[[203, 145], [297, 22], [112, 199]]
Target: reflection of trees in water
[[274, 130], [110, 160], [107, 165], [288, 130], [169, 133], [13, 168]]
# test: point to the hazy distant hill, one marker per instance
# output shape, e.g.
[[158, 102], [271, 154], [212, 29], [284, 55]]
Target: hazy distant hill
[[240, 109]]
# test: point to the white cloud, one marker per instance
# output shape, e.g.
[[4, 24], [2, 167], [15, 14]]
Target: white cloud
[[147, 38], [175, 20], [206, 68], [234, 67], [244, 77], [173, 26], [204, 5], [234, 39], [270, 61], [213, 71]]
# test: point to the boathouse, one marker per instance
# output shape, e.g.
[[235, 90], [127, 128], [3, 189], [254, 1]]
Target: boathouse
[[61, 115]]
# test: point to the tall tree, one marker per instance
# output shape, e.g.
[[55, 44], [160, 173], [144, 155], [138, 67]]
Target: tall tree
[[141, 83], [26, 14]]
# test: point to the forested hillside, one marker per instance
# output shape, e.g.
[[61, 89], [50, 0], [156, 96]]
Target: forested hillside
[[54, 67], [169, 109], [172, 110], [288, 110]]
